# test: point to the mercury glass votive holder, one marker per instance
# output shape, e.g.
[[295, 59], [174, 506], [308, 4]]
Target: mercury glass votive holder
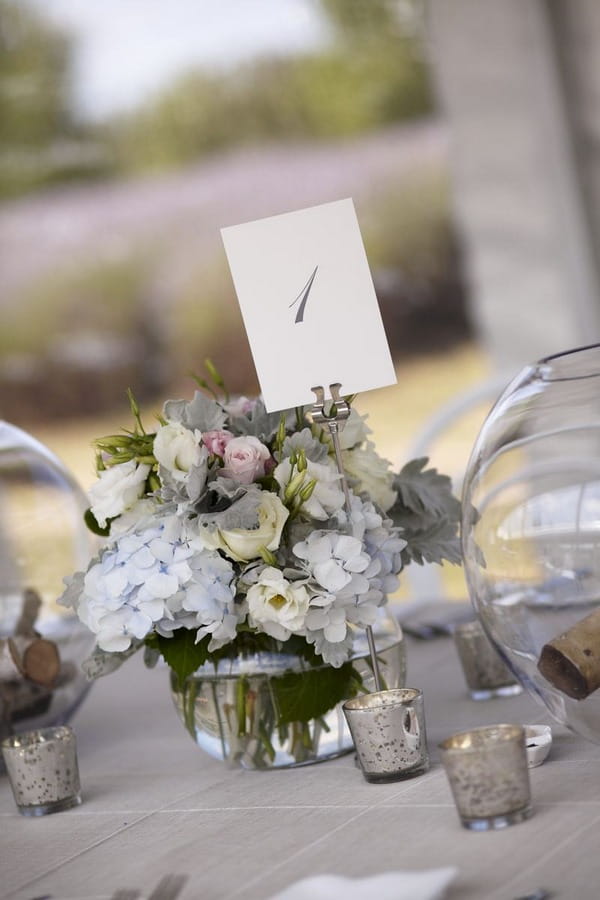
[[43, 771], [484, 669], [388, 730], [489, 776]]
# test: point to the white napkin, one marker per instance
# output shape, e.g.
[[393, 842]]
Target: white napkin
[[430, 884]]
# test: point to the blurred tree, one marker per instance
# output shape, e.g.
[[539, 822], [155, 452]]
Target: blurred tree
[[382, 39], [362, 20], [39, 139], [34, 71], [372, 74]]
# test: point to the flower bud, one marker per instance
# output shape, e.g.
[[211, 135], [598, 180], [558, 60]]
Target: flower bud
[[153, 482], [307, 490], [293, 487], [268, 557], [302, 465]]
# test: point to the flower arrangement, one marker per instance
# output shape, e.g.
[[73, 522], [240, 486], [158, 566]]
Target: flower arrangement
[[227, 531]]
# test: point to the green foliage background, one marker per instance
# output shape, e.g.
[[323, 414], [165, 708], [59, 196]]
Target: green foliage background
[[364, 80], [372, 73], [110, 303]]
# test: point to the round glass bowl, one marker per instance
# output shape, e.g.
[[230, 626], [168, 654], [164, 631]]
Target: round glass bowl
[[232, 711], [531, 532], [42, 539]]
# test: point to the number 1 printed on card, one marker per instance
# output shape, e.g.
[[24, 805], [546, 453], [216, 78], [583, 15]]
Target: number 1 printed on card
[[303, 297]]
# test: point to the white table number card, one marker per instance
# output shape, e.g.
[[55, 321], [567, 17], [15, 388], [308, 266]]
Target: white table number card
[[308, 304]]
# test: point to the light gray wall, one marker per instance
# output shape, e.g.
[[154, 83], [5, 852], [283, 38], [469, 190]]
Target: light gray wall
[[519, 84]]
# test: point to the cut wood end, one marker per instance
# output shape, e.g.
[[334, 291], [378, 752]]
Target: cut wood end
[[41, 662], [562, 673]]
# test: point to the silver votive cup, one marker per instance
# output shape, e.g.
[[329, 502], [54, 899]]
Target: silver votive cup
[[42, 769], [489, 777], [388, 730], [484, 669]]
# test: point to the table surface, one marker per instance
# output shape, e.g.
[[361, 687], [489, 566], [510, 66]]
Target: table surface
[[154, 803]]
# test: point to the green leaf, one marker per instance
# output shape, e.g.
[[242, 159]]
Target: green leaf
[[302, 696], [135, 410], [181, 652], [92, 523], [216, 377], [298, 646]]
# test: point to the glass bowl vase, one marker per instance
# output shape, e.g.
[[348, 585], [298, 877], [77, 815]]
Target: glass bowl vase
[[43, 537], [531, 533], [234, 711]]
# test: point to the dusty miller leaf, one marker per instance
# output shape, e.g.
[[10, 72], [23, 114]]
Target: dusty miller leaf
[[422, 490], [202, 412], [103, 662], [260, 423], [241, 513], [436, 543], [427, 513]]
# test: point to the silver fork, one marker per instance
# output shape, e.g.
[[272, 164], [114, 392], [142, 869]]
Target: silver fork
[[169, 887]]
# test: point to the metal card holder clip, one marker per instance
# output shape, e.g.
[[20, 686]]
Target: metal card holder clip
[[335, 419]]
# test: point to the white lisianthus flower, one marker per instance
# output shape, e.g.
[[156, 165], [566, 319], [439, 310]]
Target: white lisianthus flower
[[177, 449], [117, 489], [276, 606], [327, 497], [138, 516], [244, 544], [354, 431], [372, 474]]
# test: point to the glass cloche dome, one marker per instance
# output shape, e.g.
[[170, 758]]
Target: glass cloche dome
[[42, 539]]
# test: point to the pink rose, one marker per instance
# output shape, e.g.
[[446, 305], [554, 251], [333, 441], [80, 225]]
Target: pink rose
[[216, 441], [240, 406], [244, 459]]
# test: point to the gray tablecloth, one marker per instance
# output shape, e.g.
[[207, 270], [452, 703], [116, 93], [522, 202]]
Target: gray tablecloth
[[154, 803]]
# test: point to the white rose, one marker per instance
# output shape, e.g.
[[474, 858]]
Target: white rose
[[177, 449], [354, 431], [117, 488], [372, 473], [276, 606], [243, 544], [327, 497]]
